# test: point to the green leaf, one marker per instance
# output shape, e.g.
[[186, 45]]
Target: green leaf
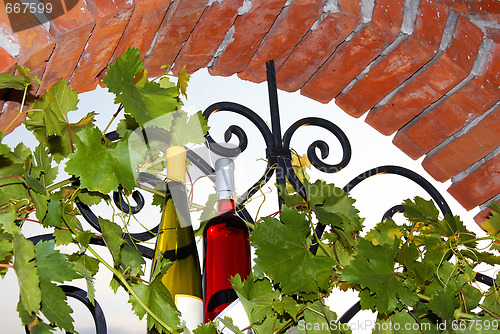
[[6, 248], [384, 233], [444, 303], [27, 274], [63, 237], [188, 130], [182, 81], [388, 289], [206, 328], [286, 305], [54, 216], [257, 297], [64, 99], [113, 168], [87, 267], [143, 103], [492, 224], [8, 222], [43, 170], [158, 299], [206, 214], [112, 235], [228, 323], [52, 264], [8, 80], [55, 104], [420, 210], [132, 259], [26, 73], [321, 319], [399, 322], [279, 246], [55, 306]]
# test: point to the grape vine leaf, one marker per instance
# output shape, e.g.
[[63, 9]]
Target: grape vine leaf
[[157, 298], [186, 129], [228, 323], [131, 258], [63, 237], [281, 246], [384, 233], [443, 303], [59, 146], [8, 222], [182, 80], [112, 235], [207, 213], [52, 265], [114, 167], [54, 216], [398, 322], [87, 267], [388, 289], [492, 224], [318, 319], [145, 101], [55, 307], [55, 104], [8, 80], [206, 328], [257, 297], [27, 274]]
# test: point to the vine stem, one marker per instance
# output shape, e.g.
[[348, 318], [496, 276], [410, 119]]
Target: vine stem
[[2, 265], [61, 184], [20, 110], [290, 320], [122, 279], [112, 119]]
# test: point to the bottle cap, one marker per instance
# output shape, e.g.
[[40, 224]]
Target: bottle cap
[[224, 177], [176, 164]]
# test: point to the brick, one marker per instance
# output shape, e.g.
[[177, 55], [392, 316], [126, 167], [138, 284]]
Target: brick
[[430, 129], [7, 62], [490, 79], [353, 56], [465, 150], [393, 69], [208, 34], [111, 17], [479, 186], [249, 30], [302, 63], [483, 215], [180, 20], [287, 31], [31, 47], [481, 9], [452, 67], [7, 65], [143, 25], [71, 32]]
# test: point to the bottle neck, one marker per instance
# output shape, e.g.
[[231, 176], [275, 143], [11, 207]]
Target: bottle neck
[[225, 204]]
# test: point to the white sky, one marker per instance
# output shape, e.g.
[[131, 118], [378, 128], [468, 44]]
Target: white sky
[[369, 149]]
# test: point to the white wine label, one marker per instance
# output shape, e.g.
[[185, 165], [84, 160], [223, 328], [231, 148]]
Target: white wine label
[[191, 309]]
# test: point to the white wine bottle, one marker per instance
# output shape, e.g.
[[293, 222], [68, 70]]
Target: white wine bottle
[[177, 243]]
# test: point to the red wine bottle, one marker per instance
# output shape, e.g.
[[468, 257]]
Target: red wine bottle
[[226, 246]]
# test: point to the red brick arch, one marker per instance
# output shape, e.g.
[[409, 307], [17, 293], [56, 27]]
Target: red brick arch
[[427, 70]]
